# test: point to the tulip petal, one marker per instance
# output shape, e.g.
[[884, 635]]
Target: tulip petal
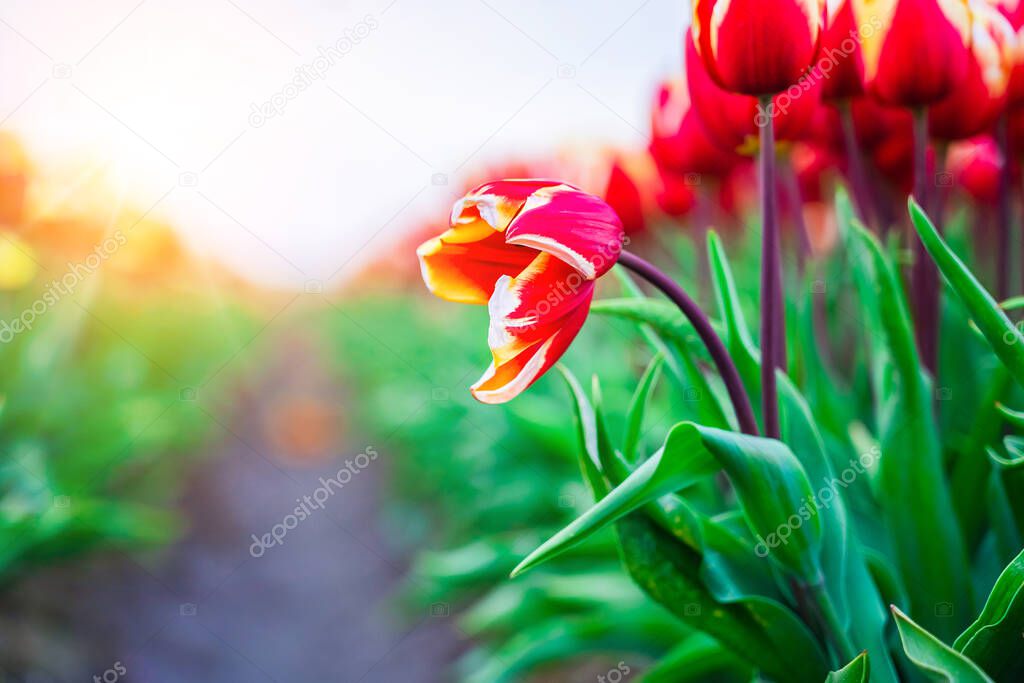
[[531, 307], [496, 203], [578, 228], [504, 381], [464, 271]]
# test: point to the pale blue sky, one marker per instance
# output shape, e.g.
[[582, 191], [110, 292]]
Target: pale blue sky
[[158, 96]]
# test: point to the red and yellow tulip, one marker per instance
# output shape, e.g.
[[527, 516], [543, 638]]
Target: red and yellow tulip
[[531, 250], [841, 64], [977, 102], [731, 120], [916, 52], [758, 47]]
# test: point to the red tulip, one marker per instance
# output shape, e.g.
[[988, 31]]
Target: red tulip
[[916, 52], [841, 64], [977, 102], [531, 250], [1013, 10], [676, 195], [679, 142], [812, 166], [977, 165], [731, 120], [624, 192], [758, 47]]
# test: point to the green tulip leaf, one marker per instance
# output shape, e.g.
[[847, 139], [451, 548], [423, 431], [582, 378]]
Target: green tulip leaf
[[857, 671], [638, 407], [911, 483], [769, 481], [993, 641], [939, 661], [1003, 336], [698, 658]]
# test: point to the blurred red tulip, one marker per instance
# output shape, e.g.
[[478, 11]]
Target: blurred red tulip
[[624, 193], [977, 164], [679, 142], [731, 120], [758, 47], [841, 64], [531, 250], [812, 165], [676, 196], [916, 52], [977, 102]]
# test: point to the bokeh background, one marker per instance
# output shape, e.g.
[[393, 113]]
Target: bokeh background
[[212, 316]]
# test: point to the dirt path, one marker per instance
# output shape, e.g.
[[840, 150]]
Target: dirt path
[[313, 606]]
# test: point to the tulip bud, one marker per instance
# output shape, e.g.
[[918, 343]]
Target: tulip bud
[[916, 52], [758, 47]]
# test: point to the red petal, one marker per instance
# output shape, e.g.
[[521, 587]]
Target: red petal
[[574, 226]]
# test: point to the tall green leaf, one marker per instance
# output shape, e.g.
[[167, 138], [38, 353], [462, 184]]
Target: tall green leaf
[[757, 630], [857, 671], [1003, 336], [769, 481], [939, 661], [913, 491], [994, 639]]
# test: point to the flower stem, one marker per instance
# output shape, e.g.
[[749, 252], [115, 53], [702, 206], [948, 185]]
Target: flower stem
[[719, 354], [1003, 242], [830, 620], [925, 277], [855, 161], [773, 320]]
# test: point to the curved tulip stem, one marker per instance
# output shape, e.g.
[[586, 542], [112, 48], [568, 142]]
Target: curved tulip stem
[[719, 354], [773, 320]]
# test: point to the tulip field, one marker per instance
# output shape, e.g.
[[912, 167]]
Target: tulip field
[[742, 401], [794, 409]]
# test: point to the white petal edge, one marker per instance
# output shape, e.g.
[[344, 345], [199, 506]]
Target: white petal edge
[[519, 384], [558, 250]]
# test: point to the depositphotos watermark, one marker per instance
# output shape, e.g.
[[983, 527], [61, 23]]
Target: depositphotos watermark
[[822, 500], [65, 286], [308, 504], [616, 675], [307, 74]]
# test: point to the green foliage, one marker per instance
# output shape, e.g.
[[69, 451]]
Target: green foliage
[[877, 484], [95, 426]]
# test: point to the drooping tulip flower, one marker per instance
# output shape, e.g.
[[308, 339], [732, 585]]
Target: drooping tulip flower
[[531, 250], [680, 144], [758, 47], [841, 64], [916, 52], [977, 102], [731, 120]]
